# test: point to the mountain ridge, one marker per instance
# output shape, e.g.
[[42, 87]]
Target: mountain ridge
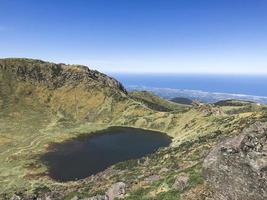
[[40, 70]]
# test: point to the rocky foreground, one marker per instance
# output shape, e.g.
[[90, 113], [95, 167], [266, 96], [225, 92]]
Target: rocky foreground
[[237, 167]]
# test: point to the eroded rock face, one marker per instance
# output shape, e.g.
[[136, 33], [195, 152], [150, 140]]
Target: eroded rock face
[[237, 168]]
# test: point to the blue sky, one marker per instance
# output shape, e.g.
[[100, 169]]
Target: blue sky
[[170, 36]]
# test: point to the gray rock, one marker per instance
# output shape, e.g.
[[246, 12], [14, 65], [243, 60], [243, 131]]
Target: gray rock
[[117, 190], [15, 197], [43, 198], [181, 182], [98, 197], [237, 167], [75, 198], [151, 179], [163, 170], [48, 198]]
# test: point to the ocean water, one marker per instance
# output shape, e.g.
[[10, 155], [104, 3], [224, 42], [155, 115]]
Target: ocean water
[[209, 88], [245, 84]]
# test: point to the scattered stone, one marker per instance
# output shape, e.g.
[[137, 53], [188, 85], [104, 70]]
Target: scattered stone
[[98, 197], [15, 197], [117, 190], [146, 163], [140, 176], [163, 170], [166, 157], [181, 182], [75, 198], [151, 179], [49, 198]]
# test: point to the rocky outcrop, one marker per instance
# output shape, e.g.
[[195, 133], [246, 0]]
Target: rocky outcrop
[[236, 169], [181, 182], [152, 179], [117, 190], [207, 109], [98, 197], [15, 197]]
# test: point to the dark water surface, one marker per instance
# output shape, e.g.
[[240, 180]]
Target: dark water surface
[[87, 155]]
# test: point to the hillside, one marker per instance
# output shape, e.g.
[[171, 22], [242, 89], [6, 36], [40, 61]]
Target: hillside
[[56, 85], [45, 103], [182, 100], [155, 102]]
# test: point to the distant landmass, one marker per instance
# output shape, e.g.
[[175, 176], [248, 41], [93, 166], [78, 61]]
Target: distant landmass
[[203, 96], [215, 83]]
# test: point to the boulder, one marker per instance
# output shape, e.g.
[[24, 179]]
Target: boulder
[[117, 190], [181, 182], [75, 198], [98, 197], [15, 197], [151, 179], [237, 167], [163, 170]]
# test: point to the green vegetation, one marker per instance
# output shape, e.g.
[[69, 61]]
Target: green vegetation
[[44, 103], [157, 103]]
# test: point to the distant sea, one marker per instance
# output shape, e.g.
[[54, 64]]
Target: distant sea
[[207, 88]]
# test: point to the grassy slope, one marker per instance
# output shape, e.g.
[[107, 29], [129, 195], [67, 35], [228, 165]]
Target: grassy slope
[[33, 115], [157, 103]]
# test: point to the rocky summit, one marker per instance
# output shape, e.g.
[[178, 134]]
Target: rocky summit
[[218, 151]]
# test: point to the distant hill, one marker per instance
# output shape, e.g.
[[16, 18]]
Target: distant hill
[[182, 100], [155, 102], [233, 102]]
